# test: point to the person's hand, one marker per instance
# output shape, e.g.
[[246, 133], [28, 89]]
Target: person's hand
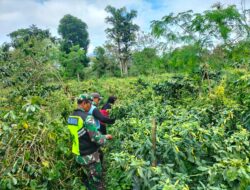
[[109, 137]]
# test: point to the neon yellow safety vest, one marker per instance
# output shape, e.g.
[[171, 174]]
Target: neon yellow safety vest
[[76, 128]]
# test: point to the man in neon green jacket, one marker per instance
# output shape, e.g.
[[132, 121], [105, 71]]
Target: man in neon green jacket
[[86, 142]]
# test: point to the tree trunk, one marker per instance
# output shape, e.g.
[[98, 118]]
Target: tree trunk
[[120, 58], [125, 68], [154, 161], [121, 68], [78, 77]]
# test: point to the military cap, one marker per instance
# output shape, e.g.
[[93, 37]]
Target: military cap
[[82, 97], [96, 95]]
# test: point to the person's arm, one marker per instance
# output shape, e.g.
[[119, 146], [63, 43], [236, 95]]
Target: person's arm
[[107, 106], [98, 115], [94, 134]]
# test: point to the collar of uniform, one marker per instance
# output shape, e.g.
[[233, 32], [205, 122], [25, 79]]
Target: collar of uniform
[[80, 109]]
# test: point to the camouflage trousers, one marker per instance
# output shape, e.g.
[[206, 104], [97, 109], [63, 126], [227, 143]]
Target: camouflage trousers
[[92, 169]]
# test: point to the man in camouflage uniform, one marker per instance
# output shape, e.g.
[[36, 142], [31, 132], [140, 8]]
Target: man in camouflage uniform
[[86, 142]]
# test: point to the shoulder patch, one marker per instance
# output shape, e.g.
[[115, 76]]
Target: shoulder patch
[[72, 121], [90, 120]]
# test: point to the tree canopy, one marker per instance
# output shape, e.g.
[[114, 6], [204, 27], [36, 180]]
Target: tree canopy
[[122, 33], [22, 36], [219, 25], [73, 32]]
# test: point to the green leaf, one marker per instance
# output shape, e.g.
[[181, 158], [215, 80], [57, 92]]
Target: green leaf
[[9, 184], [14, 180], [140, 172], [202, 168], [231, 174]]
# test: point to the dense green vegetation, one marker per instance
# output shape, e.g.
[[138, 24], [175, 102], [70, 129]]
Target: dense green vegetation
[[193, 82]]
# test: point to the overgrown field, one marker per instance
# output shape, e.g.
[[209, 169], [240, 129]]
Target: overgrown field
[[202, 133]]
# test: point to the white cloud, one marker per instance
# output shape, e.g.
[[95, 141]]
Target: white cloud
[[15, 14]]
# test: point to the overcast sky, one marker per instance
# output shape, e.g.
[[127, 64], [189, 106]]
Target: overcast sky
[[15, 14]]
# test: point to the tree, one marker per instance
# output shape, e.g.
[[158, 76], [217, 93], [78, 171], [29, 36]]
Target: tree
[[183, 59], [100, 61], [146, 62], [240, 54], [104, 62], [219, 25], [32, 60], [20, 37], [30, 67], [74, 62], [4, 51], [122, 34], [147, 40], [74, 32], [199, 34]]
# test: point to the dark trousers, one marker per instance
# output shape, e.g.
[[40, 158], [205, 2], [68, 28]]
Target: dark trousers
[[103, 129]]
